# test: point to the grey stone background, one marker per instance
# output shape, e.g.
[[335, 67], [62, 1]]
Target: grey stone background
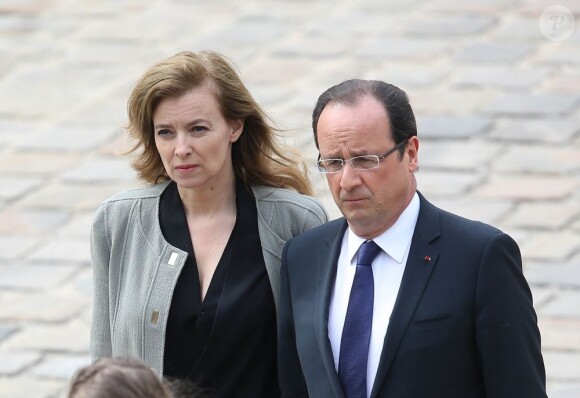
[[497, 102]]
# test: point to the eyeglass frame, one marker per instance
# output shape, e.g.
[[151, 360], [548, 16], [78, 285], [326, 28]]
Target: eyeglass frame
[[342, 161]]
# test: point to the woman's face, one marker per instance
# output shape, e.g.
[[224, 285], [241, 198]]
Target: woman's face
[[194, 139]]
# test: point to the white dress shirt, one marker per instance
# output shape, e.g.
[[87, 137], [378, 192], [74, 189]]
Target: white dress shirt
[[388, 268]]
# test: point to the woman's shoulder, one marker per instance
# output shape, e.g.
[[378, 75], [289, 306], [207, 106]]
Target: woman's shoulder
[[151, 191], [286, 199]]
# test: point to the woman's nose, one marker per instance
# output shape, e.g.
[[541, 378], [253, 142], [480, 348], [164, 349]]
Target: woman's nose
[[183, 147]]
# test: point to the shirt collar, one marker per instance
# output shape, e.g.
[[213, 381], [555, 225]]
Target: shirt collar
[[396, 240]]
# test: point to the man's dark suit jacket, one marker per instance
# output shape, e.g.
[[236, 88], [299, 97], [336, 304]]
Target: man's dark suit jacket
[[463, 324]]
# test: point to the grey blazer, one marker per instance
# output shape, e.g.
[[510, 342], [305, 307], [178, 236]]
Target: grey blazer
[[135, 269]]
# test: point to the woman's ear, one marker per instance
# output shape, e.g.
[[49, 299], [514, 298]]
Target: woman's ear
[[237, 126]]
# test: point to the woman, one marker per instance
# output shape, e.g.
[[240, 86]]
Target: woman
[[186, 271], [117, 378]]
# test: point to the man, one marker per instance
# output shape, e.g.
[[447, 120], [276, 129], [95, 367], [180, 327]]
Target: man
[[439, 308]]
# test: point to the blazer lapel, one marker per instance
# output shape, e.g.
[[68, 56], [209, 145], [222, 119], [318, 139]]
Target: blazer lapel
[[420, 264], [326, 275]]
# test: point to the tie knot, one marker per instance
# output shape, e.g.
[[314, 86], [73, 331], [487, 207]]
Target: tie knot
[[367, 253]]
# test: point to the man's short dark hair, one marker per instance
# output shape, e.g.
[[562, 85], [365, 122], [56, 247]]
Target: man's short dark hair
[[395, 101]]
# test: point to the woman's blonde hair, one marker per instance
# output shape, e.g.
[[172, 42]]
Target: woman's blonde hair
[[257, 157]]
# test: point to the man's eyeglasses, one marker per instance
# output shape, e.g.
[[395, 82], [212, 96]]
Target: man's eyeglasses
[[365, 162]]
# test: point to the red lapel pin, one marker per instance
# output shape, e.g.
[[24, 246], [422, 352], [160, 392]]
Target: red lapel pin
[[427, 259]]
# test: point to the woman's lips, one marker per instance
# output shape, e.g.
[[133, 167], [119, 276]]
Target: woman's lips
[[185, 168]]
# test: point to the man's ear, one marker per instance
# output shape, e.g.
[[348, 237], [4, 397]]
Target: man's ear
[[237, 126], [413, 153]]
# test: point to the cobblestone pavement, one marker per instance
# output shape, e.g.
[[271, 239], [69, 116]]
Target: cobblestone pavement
[[495, 85]]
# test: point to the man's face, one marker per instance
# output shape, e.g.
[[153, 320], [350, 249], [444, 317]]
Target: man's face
[[371, 200]]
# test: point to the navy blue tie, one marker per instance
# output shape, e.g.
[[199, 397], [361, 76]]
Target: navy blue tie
[[356, 334]]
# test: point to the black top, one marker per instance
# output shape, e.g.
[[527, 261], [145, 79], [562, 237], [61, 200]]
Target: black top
[[225, 344]]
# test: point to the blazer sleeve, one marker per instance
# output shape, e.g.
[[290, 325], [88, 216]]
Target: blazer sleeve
[[507, 334], [291, 378], [100, 338]]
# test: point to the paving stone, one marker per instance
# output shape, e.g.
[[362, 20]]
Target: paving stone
[[406, 74], [117, 146], [493, 52], [13, 188], [401, 48], [558, 246], [270, 71], [79, 197], [35, 163], [63, 249], [71, 337], [13, 247], [269, 96], [446, 183], [100, 170], [24, 6], [528, 187], [534, 159], [79, 226], [562, 366], [42, 307], [543, 215], [504, 77], [559, 389], [30, 221], [522, 27], [532, 104], [564, 305], [562, 54], [550, 130], [368, 20], [447, 126], [75, 86], [453, 155], [565, 82], [66, 138], [576, 225], [83, 282], [16, 24], [37, 277], [565, 275], [437, 101], [388, 6], [535, 7], [316, 47], [27, 386], [60, 366], [487, 211], [453, 26], [488, 7], [540, 295], [12, 363], [560, 334], [6, 330]]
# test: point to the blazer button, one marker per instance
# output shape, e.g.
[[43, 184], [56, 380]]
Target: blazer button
[[155, 317], [173, 258]]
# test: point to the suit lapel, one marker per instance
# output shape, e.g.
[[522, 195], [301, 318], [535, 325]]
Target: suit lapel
[[326, 275], [420, 264]]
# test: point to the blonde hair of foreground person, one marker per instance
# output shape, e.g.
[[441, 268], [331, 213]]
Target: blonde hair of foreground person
[[117, 378], [257, 157]]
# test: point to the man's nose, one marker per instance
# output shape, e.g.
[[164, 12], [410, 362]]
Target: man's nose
[[350, 177]]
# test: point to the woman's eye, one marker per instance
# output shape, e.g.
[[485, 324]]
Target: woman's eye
[[198, 129], [163, 132]]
